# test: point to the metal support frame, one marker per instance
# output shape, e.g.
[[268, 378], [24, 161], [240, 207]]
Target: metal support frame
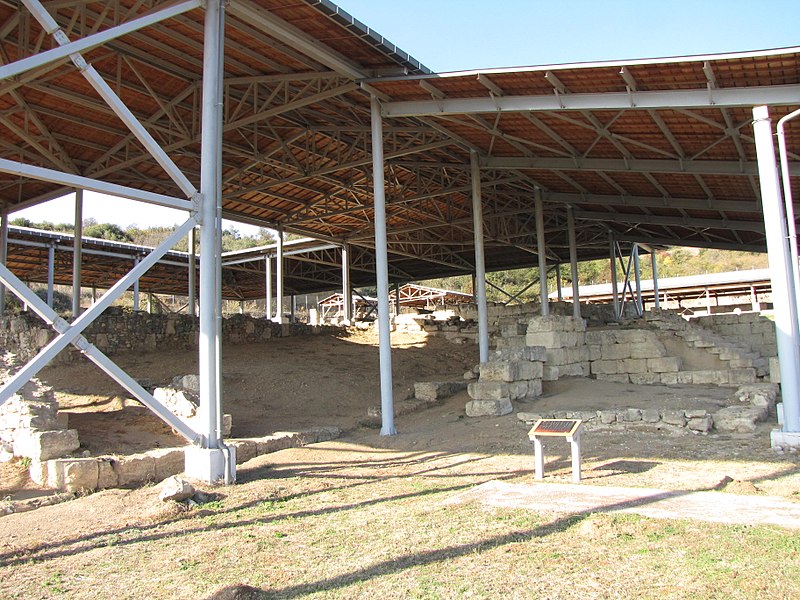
[[279, 279], [637, 275], [382, 271], [347, 294], [479, 279], [781, 271], [541, 250], [559, 292], [136, 289], [654, 268], [396, 298], [573, 263], [192, 300], [612, 245], [51, 271], [3, 257], [268, 286], [77, 254]]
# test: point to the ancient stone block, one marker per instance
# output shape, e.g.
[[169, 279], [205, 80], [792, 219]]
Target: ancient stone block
[[742, 419], [739, 376], [44, 445], [488, 390], [674, 417], [633, 415], [608, 417], [605, 367], [501, 371], [651, 415], [550, 373], [683, 376], [73, 474], [701, 424], [665, 364], [534, 388], [530, 370], [518, 390], [615, 352], [168, 461], [614, 378], [650, 349], [106, 475], [645, 378], [758, 394], [634, 365], [135, 469], [710, 377], [695, 413], [488, 408], [529, 417], [548, 339]]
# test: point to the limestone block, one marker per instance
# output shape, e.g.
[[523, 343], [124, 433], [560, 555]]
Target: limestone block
[[182, 403], [774, 370], [488, 390], [530, 370], [512, 327], [587, 416], [630, 336], [674, 417], [710, 377], [683, 377], [557, 356], [512, 341], [518, 390], [245, 449], [599, 337], [634, 365], [168, 461], [618, 378], [430, 391], [535, 353], [135, 469], [227, 424], [615, 352], [534, 388], [488, 408], [632, 415], [608, 417], [548, 339], [106, 475], [605, 367], [758, 394], [73, 474], [651, 415], [326, 434], [189, 383], [44, 445], [594, 352], [37, 471], [665, 364], [175, 489], [701, 424], [277, 442], [742, 419], [501, 371], [645, 378], [739, 376], [550, 373]]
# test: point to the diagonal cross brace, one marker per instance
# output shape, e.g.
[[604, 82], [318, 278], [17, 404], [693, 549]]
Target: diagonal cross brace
[[71, 334]]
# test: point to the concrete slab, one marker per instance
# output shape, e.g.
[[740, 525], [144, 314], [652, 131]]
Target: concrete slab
[[713, 507]]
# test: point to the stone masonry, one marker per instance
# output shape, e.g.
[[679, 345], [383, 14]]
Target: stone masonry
[[510, 374]]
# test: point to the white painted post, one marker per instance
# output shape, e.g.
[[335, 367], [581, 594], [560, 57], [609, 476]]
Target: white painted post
[[559, 292], [655, 278], [51, 269], [77, 251], [279, 279], [212, 462], [136, 289], [637, 275], [479, 279], [3, 257], [754, 305], [382, 272], [541, 249], [538, 458], [192, 301], [575, 447], [396, 298], [781, 271], [573, 263], [614, 285], [708, 302], [268, 295], [347, 292]]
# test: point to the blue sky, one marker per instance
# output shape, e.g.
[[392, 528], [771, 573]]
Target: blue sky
[[447, 35]]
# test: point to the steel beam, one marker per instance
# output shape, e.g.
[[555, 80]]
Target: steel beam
[[51, 269], [573, 264], [268, 287], [77, 253], [777, 95], [279, 278], [781, 272], [382, 272], [479, 280], [541, 251], [3, 257], [347, 294], [612, 246], [192, 299]]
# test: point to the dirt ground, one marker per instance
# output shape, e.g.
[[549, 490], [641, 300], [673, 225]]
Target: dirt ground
[[73, 548]]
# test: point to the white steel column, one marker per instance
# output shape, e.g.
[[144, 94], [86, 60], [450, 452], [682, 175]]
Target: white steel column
[[573, 263], [382, 272], [192, 302], [136, 289], [347, 292], [614, 285], [279, 279], [77, 248], [211, 462], [540, 250], [781, 271], [51, 270], [3, 257], [396, 298], [268, 285], [479, 279], [559, 291], [637, 276], [655, 278]]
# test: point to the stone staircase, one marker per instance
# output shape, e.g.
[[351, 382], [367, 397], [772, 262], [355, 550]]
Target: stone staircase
[[742, 363]]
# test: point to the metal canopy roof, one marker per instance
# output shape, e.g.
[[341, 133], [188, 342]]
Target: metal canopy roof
[[657, 151]]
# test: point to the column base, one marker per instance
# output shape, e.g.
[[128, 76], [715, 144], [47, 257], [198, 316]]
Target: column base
[[784, 440], [388, 430], [208, 464]]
